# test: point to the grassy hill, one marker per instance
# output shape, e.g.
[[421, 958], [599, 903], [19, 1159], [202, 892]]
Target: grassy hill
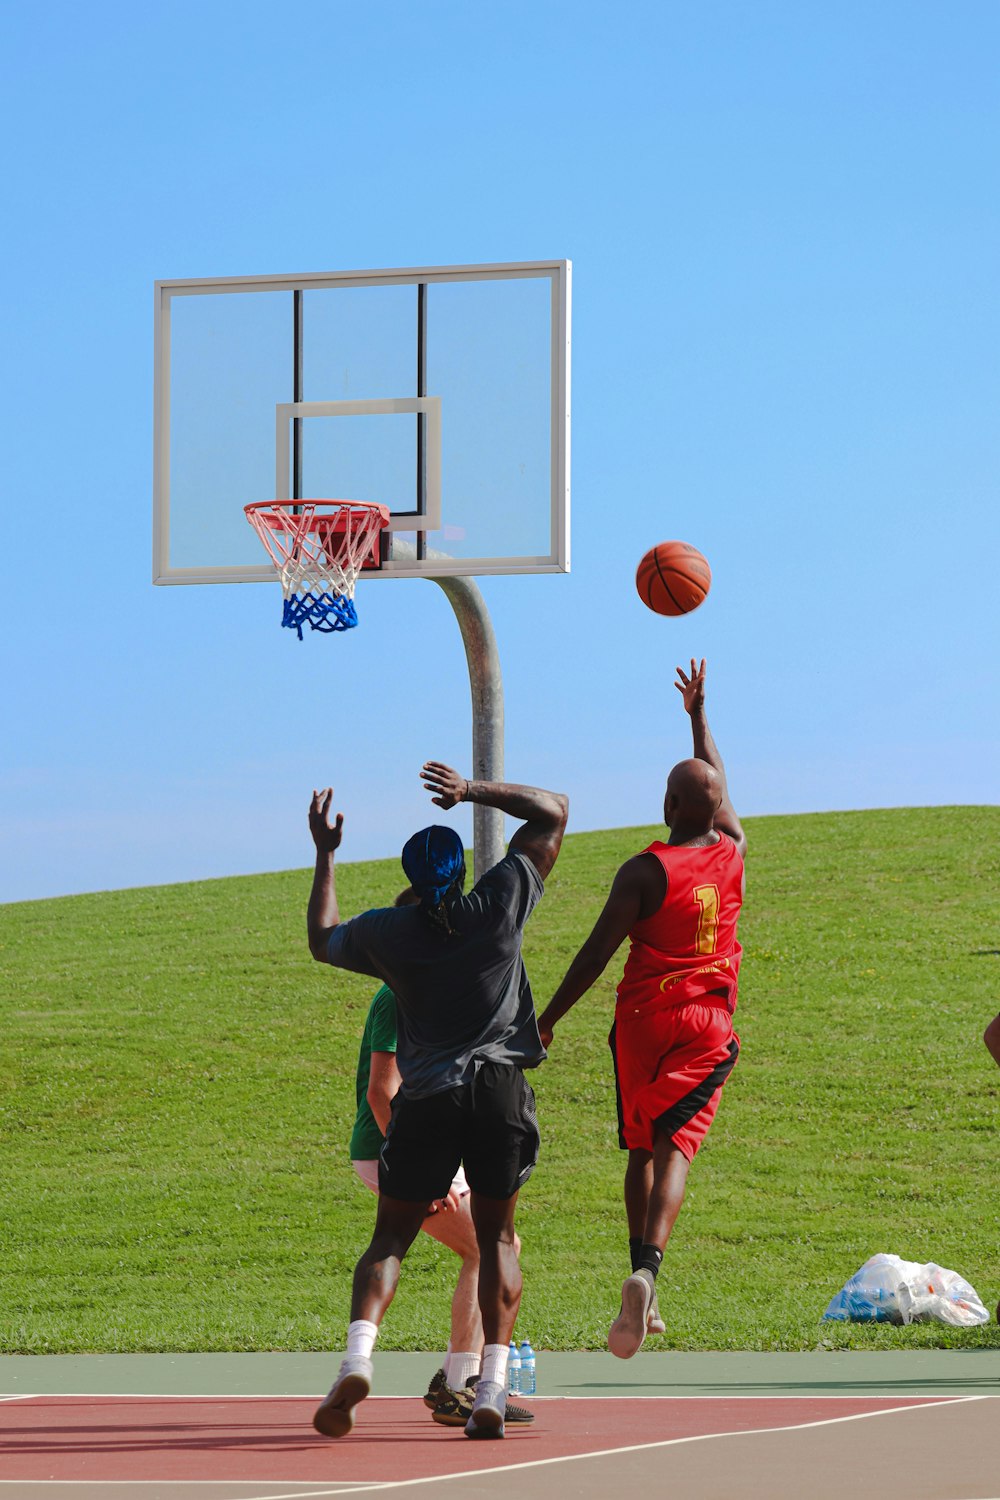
[[178, 1080]]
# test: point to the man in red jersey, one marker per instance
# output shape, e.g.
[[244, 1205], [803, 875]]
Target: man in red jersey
[[672, 1040]]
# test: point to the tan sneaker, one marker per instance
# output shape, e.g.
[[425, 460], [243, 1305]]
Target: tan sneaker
[[454, 1408], [334, 1417], [654, 1323], [627, 1332]]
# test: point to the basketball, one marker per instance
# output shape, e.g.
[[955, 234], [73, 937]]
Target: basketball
[[673, 578]]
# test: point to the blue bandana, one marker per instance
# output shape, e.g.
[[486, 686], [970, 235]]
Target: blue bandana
[[432, 861]]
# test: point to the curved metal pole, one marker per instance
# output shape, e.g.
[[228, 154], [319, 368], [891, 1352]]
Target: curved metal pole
[[486, 684]]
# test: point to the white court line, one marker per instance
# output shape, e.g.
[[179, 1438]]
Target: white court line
[[348, 1487], [613, 1393], [701, 1437]]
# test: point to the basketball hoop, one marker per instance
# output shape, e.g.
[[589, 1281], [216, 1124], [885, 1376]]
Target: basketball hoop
[[319, 547]]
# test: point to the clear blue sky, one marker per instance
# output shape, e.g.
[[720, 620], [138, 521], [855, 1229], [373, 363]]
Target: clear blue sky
[[783, 219]]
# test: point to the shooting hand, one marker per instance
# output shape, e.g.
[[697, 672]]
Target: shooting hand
[[449, 786], [692, 688]]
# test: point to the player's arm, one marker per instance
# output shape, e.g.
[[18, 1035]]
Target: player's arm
[[692, 690], [631, 897], [544, 813], [383, 1085], [991, 1036], [323, 913]]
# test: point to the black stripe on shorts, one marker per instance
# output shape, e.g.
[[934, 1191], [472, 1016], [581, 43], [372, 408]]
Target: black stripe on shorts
[[612, 1043], [684, 1111]]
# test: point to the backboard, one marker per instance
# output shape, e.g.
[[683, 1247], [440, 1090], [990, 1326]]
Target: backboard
[[440, 392]]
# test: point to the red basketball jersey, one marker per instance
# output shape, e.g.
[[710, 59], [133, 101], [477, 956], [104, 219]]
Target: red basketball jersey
[[688, 949]]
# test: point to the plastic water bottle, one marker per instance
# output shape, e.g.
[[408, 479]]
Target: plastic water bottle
[[513, 1370], [527, 1386]]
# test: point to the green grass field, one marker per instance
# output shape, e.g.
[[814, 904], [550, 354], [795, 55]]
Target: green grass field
[[178, 1082]]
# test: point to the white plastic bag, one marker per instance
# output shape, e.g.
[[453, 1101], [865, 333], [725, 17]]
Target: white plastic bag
[[890, 1290]]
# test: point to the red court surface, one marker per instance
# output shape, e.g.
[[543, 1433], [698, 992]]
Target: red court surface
[[262, 1448]]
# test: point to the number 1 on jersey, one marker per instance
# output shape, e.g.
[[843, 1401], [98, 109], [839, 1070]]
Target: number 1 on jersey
[[707, 897]]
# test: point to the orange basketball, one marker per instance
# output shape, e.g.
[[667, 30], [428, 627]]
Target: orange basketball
[[673, 578]]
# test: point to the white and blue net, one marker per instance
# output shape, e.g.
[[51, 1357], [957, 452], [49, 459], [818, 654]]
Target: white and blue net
[[319, 547]]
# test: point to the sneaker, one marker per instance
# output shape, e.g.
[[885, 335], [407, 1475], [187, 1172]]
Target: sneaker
[[626, 1334], [334, 1417], [436, 1388], [654, 1323], [488, 1409], [454, 1408]]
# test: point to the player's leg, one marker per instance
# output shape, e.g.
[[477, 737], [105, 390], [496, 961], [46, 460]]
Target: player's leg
[[376, 1276], [501, 1149], [451, 1404], [638, 1188], [455, 1229], [500, 1280], [416, 1166], [670, 1067], [665, 1170], [669, 1180], [500, 1285]]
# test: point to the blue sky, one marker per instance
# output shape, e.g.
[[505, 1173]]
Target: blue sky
[[784, 223]]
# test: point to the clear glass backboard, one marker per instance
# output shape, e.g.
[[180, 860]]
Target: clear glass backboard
[[440, 392]]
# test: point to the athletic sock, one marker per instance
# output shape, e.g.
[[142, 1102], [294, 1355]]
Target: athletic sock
[[495, 1363], [361, 1337], [460, 1369], [634, 1250], [649, 1260]]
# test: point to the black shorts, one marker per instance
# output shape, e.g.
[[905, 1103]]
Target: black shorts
[[487, 1124]]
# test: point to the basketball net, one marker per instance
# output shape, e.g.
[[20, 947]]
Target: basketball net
[[319, 547]]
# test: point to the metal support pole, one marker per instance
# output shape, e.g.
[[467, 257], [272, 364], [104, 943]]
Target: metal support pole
[[486, 684]]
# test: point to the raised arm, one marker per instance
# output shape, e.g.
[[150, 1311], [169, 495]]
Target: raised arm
[[323, 913], [692, 690], [636, 891], [544, 813]]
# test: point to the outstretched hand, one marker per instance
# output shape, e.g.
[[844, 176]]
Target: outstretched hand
[[692, 688], [449, 786], [326, 836]]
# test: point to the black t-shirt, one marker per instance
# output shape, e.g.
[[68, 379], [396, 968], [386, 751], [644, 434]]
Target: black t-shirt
[[463, 998]]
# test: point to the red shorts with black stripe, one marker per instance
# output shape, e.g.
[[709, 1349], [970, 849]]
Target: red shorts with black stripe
[[670, 1064]]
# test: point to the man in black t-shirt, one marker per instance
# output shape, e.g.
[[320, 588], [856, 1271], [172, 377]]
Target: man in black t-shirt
[[467, 1030]]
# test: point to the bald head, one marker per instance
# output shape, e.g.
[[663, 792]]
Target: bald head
[[694, 794]]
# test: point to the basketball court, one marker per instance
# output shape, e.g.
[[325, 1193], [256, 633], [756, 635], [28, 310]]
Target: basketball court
[[922, 1426], [431, 408]]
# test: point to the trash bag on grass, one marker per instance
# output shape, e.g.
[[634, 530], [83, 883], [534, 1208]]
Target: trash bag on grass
[[890, 1290]]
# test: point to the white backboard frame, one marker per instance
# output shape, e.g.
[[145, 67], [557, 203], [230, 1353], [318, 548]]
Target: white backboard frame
[[433, 565]]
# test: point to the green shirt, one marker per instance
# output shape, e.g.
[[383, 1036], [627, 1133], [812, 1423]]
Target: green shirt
[[379, 1036]]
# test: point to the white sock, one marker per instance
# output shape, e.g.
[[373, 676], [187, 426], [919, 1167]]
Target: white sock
[[460, 1369], [495, 1363], [361, 1338]]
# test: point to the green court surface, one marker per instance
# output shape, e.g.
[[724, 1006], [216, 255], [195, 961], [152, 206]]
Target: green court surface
[[938, 1372]]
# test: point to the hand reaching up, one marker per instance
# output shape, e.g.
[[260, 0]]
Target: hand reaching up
[[692, 689]]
